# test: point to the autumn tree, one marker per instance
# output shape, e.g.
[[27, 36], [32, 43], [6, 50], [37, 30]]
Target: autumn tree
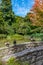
[[37, 13]]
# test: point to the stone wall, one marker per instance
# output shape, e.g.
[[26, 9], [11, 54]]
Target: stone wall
[[34, 56], [26, 45], [26, 52]]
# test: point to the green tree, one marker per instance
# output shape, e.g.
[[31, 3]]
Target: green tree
[[7, 17]]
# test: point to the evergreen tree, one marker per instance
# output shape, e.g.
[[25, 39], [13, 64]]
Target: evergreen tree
[[1, 18], [6, 16]]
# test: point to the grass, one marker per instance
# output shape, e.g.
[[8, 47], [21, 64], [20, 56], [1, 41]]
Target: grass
[[10, 38], [19, 39], [14, 61]]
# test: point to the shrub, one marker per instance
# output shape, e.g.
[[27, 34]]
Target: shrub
[[1, 63], [13, 61]]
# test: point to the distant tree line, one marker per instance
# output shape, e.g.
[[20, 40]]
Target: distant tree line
[[11, 24]]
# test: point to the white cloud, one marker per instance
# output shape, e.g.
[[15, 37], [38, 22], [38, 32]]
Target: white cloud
[[23, 8], [22, 11], [23, 2]]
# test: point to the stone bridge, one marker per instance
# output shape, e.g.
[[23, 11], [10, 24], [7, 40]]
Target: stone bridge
[[30, 52]]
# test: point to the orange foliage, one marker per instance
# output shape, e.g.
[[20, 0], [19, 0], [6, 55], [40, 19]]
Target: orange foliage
[[36, 9], [39, 4]]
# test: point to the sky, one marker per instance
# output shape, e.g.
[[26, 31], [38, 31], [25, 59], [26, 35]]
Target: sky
[[22, 7]]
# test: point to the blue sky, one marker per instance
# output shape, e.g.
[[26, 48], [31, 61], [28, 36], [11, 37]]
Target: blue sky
[[22, 7]]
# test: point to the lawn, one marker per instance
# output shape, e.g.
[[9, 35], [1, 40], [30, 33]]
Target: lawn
[[10, 38], [19, 39]]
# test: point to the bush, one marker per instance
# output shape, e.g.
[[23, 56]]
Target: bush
[[2, 36], [13, 61], [1, 63]]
